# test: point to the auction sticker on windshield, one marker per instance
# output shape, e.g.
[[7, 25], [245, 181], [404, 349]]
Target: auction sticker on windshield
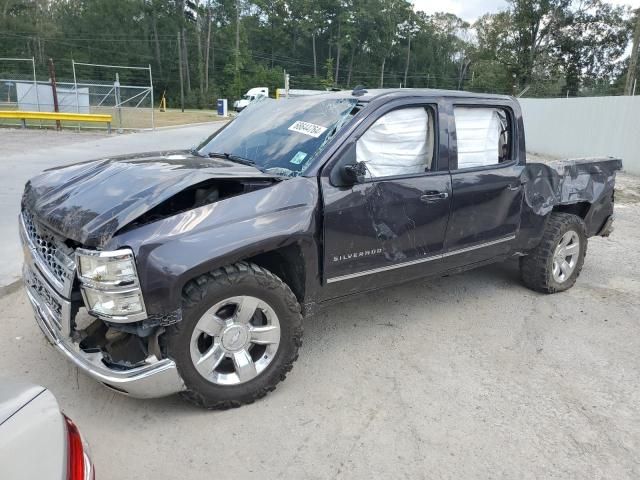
[[307, 128], [298, 158]]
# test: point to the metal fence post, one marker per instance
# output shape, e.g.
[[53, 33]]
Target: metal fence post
[[35, 83], [116, 92], [153, 124], [75, 85]]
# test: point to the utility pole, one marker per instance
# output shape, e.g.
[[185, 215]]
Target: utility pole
[[633, 62], [180, 70], [313, 44], [54, 90], [237, 50], [207, 47], [185, 59], [335, 77]]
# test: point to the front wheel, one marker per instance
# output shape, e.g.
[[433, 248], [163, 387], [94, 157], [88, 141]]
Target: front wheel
[[239, 336], [554, 265]]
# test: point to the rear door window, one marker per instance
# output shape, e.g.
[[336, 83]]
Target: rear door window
[[483, 136]]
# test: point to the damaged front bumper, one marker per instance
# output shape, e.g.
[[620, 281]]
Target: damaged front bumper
[[156, 378]]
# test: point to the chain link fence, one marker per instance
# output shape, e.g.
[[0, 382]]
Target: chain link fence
[[15, 72], [124, 92]]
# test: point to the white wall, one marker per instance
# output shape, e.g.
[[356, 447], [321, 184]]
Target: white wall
[[584, 127]]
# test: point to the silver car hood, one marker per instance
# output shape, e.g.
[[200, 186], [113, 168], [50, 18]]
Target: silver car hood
[[14, 395]]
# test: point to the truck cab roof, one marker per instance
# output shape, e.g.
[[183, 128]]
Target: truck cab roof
[[370, 94]]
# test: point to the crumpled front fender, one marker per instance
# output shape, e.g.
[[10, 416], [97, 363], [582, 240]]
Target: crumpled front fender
[[174, 250]]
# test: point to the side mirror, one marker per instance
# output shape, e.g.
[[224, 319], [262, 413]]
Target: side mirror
[[348, 171], [354, 173]]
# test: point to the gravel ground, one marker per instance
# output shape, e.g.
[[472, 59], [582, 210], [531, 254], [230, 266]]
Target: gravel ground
[[467, 376]]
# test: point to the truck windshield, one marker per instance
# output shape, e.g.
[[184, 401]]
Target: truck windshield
[[281, 137]]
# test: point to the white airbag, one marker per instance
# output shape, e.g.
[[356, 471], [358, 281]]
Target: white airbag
[[396, 144], [478, 133]]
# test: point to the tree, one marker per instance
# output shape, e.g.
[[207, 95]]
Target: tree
[[593, 36], [551, 47], [632, 73]]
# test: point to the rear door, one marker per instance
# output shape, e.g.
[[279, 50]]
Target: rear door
[[487, 191], [391, 227]]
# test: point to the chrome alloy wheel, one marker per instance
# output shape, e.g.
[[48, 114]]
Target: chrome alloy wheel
[[235, 340], [565, 257]]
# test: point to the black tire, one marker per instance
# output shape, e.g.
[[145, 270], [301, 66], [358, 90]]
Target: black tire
[[536, 268], [205, 291]]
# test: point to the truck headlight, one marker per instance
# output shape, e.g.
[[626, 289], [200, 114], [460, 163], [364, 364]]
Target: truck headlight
[[110, 285], [114, 304], [105, 269]]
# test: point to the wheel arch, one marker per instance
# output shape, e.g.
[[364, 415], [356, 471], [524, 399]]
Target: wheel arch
[[580, 209], [287, 263], [594, 215]]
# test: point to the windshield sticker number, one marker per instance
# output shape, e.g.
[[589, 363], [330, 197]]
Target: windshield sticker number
[[308, 128], [298, 158]]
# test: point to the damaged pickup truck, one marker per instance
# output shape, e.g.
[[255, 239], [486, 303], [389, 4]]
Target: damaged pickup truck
[[190, 271]]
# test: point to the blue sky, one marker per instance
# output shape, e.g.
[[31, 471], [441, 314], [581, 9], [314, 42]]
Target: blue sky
[[470, 10]]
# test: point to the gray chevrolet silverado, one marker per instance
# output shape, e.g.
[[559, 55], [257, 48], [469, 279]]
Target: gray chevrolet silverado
[[189, 271]]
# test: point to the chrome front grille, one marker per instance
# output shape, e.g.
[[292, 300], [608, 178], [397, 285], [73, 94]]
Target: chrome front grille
[[52, 305], [53, 257]]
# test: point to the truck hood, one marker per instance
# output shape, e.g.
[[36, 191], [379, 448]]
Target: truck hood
[[89, 202]]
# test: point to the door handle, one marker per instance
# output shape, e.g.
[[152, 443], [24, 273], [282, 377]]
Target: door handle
[[512, 187], [433, 196]]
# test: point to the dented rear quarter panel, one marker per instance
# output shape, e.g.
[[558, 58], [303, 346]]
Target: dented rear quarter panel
[[586, 183]]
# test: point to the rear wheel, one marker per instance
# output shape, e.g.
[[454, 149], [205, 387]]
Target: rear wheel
[[555, 264], [239, 336]]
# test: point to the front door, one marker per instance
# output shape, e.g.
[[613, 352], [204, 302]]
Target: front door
[[392, 226]]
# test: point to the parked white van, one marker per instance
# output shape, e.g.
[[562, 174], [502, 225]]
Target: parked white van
[[249, 97]]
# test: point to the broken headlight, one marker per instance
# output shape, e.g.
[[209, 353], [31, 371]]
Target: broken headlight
[[110, 285], [105, 269]]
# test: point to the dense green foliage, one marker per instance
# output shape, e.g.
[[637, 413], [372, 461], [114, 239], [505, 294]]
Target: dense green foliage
[[550, 47]]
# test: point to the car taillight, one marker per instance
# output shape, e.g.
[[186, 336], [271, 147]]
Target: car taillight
[[77, 469]]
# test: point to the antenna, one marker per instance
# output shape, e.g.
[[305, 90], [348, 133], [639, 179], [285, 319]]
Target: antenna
[[358, 91]]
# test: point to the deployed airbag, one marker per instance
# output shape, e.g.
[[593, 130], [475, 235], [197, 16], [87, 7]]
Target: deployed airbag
[[478, 134], [396, 144]]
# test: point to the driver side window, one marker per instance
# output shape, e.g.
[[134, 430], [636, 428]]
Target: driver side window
[[401, 142]]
